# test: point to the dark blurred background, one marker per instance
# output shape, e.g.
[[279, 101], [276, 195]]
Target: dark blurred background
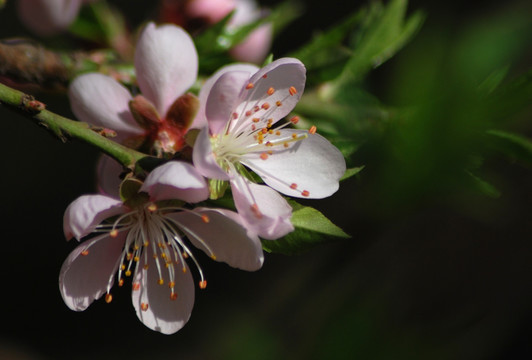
[[434, 269]]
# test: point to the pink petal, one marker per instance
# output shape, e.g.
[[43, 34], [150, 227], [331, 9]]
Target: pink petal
[[200, 120], [108, 172], [311, 168], [263, 210], [86, 212], [176, 180], [100, 100], [203, 157], [160, 312], [166, 63], [88, 272], [218, 232], [211, 10], [224, 98], [48, 17], [255, 47], [286, 78]]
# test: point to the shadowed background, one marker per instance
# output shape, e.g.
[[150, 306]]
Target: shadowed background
[[434, 270]]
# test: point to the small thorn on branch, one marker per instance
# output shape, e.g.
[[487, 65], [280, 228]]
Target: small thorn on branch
[[108, 133]]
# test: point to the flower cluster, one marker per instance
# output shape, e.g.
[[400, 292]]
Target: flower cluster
[[229, 136]]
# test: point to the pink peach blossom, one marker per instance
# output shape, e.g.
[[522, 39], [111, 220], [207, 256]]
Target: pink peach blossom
[[241, 109], [145, 240]]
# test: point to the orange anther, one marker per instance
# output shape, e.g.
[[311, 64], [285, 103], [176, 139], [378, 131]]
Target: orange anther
[[285, 144], [108, 298], [144, 306], [248, 113], [171, 284], [113, 233], [269, 143], [235, 115], [271, 91], [292, 90], [263, 156], [265, 106], [294, 120], [312, 129], [85, 252], [203, 284], [293, 186], [294, 136], [256, 108], [255, 120], [264, 76], [136, 286], [305, 193], [121, 282], [205, 218], [277, 133], [278, 103], [173, 296], [249, 86]]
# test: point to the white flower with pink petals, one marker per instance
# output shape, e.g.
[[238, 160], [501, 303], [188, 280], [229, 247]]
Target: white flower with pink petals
[[144, 239], [241, 111], [48, 17], [166, 64]]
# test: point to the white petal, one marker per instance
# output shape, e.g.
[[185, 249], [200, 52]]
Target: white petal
[[100, 100], [263, 211], [224, 98], [176, 180], [88, 272], [86, 212], [108, 172], [160, 312], [256, 46], [203, 157], [314, 165], [47, 17], [220, 233], [286, 77], [166, 63]]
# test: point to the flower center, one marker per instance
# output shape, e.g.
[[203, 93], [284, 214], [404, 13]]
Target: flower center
[[151, 233]]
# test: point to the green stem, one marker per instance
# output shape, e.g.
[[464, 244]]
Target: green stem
[[64, 128]]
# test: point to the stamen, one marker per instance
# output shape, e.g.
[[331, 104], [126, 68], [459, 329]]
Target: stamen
[[312, 129], [305, 193], [113, 233], [292, 90], [203, 284], [293, 186], [265, 106], [173, 296], [263, 156], [249, 86], [152, 207], [85, 252], [108, 298], [205, 218], [270, 91], [278, 103], [160, 282], [136, 286], [294, 120], [144, 306], [121, 282]]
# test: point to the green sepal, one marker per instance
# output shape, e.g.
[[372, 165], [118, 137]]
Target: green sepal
[[217, 188], [352, 172], [130, 193], [311, 228]]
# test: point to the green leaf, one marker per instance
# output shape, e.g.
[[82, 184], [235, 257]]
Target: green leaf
[[311, 228], [352, 172], [484, 187], [386, 30], [513, 145]]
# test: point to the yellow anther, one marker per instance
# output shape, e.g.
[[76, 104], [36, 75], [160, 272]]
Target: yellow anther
[[152, 207], [278, 103], [108, 298], [213, 257], [171, 284], [294, 136], [256, 120], [113, 233], [121, 282], [128, 273], [123, 267], [285, 144], [136, 259], [160, 282]]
